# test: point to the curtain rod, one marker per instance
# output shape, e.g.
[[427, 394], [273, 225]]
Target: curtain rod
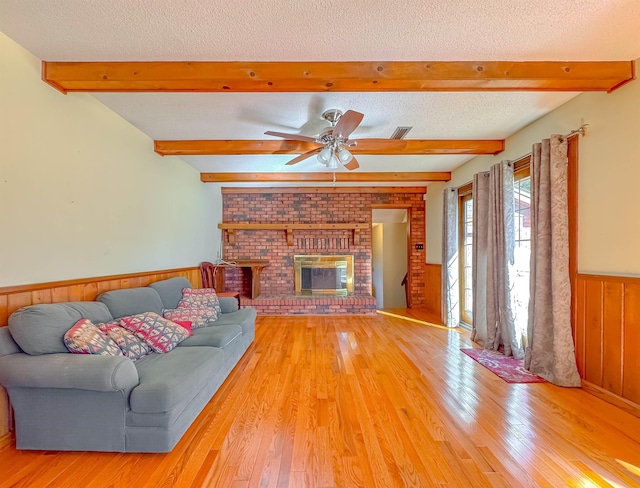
[[580, 131]]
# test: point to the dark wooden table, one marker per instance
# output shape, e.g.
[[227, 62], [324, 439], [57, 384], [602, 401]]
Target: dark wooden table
[[255, 267]]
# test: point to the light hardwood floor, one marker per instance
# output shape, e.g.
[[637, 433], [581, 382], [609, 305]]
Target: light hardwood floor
[[367, 401]]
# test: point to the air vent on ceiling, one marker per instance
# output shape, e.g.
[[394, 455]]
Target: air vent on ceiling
[[400, 132]]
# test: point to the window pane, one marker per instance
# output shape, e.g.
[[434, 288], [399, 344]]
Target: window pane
[[466, 252], [519, 272]]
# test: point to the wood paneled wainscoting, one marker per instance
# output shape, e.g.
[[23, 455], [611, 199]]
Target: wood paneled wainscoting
[[433, 288], [607, 338], [85, 289]]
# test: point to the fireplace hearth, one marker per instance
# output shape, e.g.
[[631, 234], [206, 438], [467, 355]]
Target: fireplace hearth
[[316, 274]]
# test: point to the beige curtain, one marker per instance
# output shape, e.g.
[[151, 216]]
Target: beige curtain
[[493, 248], [450, 278], [550, 351]]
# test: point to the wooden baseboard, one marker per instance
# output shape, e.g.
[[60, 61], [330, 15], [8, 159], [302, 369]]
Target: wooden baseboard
[[607, 396], [5, 440]]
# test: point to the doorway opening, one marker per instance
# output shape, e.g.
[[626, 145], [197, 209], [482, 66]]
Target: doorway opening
[[390, 257]]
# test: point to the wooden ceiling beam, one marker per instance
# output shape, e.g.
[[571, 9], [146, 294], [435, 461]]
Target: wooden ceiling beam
[[361, 76], [364, 146], [358, 177]]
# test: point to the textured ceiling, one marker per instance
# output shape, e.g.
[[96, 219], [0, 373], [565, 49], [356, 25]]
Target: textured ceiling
[[331, 30], [326, 30]]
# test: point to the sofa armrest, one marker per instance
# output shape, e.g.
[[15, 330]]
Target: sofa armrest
[[7, 344], [228, 304], [66, 370]]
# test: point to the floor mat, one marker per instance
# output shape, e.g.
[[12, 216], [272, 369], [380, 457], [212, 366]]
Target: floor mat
[[509, 369]]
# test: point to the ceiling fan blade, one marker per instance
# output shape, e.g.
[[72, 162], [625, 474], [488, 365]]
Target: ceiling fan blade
[[304, 156], [347, 124], [295, 137], [353, 164]]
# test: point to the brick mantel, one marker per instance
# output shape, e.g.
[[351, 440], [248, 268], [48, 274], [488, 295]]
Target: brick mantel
[[280, 208]]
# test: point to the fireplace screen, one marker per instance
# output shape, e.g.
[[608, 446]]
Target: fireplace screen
[[323, 275]]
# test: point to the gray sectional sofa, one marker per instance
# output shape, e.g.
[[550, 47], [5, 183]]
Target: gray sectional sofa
[[78, 402]]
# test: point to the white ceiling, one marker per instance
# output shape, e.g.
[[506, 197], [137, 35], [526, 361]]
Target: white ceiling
[[326, 30]]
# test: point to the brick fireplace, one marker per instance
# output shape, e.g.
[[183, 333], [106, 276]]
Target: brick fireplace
[[314, 207]]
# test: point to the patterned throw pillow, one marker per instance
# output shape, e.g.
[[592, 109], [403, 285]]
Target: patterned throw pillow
[[132, 347], [203, 297], [161, 334], [84, 337], [199, 316], [186, 324]]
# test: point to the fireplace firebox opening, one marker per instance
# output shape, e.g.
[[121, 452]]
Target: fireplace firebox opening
[[319, 274]]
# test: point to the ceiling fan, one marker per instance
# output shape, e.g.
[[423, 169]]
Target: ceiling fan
[[333, 141]]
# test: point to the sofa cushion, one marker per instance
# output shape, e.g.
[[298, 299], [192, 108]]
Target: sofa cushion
[[199, 316], [245, 318], [206, 297], [170, 290], [166, 380], [160, 334], [39, 329], [84, 337], [131, 301], [215, 336], [131, 346]]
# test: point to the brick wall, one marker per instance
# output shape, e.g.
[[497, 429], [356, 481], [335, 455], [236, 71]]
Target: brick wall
[[313, 207]]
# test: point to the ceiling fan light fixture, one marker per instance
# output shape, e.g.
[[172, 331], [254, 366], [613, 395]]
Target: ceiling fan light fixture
[[333, 163], [344, 156], [333, 141], [325, 155]]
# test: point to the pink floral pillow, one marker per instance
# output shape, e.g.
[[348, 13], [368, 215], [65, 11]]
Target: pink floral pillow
[[198, 316], [203, 297], [132, 347], [160, 334], [84, 337]]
